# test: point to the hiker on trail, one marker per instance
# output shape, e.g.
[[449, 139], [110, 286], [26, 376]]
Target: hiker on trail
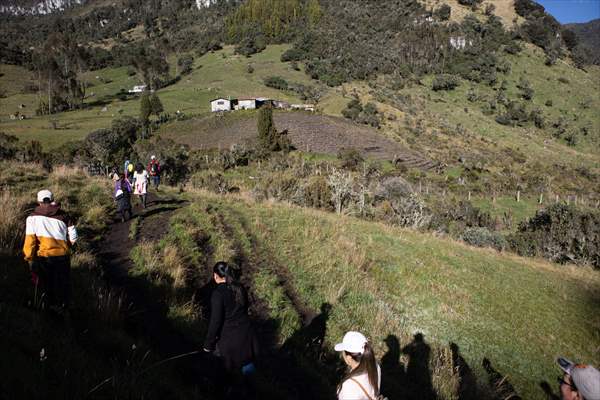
[[123, 197], [363, 380], [230, 332], [579, 381], [140, 176], [49, 235], [154, 170], [128, 170]]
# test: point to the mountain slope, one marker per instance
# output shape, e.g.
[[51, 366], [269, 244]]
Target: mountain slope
[[589, 37]]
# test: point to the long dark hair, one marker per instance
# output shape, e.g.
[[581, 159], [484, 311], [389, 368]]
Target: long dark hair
[[139, 168], [366, 364], [223, 270]]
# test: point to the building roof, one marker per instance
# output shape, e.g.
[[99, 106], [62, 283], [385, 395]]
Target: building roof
[[221, 98]]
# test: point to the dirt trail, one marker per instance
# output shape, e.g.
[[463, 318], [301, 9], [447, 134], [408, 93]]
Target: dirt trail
[[146, 316]]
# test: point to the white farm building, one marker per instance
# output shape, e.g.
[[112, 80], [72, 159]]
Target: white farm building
[[221, 104], [138, 89]]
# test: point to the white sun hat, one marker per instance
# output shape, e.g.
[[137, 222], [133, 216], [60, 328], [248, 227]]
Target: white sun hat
[[353, 342]]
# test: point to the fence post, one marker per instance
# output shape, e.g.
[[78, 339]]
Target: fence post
[[541, 198], [518, 196], [557, 198], [469, 196]]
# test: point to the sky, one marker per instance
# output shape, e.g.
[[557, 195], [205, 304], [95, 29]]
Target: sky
[[567, 11]]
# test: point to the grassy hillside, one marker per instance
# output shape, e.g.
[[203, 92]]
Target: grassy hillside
[[387, 281], [216, 74]]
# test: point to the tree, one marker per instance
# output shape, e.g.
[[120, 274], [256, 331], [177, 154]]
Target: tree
[[156, 106], [341, 188], [266, 129], [145, 110], [269, 138], [151, 65], [185, 64]]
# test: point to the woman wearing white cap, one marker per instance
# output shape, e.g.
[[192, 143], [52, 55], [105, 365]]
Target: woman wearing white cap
[[363, 379]]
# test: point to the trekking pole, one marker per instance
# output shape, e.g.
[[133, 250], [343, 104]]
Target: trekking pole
[[167, 360], [104, 382]]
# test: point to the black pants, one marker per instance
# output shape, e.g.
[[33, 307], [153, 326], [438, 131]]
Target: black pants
[[54, 280]]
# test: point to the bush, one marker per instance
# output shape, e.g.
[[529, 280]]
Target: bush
[[513, 47], [211, 180], [250, 69], [250, 45], [293, 54], [528, 9], [276, 82], [443, 13], [314, 193], [8, 146], [445, 82], [562, 234], [549, 103], [185, 64], [526, 90], [470, 3], [350, 158], [483, 237]]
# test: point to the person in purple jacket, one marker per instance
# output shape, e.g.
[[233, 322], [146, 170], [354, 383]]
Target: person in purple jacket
[[122, 196]]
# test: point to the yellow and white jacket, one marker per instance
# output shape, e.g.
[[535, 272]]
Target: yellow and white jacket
[[49, 232]]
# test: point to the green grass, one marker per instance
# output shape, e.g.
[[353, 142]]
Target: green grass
[[383, 280], [519, 211], [221, 73]]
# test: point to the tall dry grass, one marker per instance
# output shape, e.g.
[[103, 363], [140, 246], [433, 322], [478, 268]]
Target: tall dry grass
[[12, 223]]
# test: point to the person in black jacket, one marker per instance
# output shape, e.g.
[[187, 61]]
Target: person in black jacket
[[230, 331]]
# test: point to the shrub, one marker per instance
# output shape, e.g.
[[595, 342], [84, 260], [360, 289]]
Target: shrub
[[391, 188], [445, 82], [315, 193], [293, 54], [549, 103], [407, 211], [250, 45], [8, 146], [276, 82], [528, 8], [350, 158], [513, 47], [250, 69], [538, 118], [483, 237], [185, 64], [526, 90], [211, 180], [443, 13], [470, 3], [561, 233], [489, 9]]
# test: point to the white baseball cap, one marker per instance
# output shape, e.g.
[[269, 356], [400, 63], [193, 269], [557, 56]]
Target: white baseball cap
[[353, 342], [44, 194], [153, 157], [585, 377]]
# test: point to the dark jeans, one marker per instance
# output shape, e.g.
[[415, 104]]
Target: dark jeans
[[156, 181], [54, 279]]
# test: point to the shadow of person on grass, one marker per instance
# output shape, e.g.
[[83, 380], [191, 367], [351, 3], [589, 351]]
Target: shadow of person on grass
[[393, 376], [467, 384], [418, 376], [499, 383]]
